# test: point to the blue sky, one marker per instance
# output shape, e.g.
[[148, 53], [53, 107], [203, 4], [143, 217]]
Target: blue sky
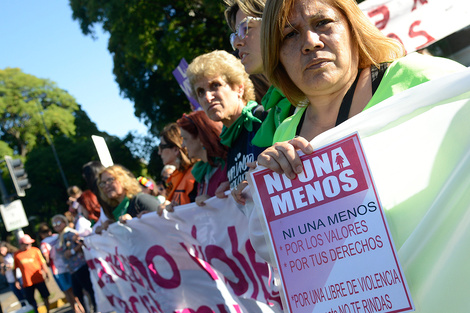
[[40, 37]]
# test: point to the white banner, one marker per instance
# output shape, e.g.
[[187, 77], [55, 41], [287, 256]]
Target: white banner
[[197, 259], [417, 23]]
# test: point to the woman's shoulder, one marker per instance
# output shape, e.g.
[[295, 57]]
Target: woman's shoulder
[[423, 66], [287, 129], [412, 70]]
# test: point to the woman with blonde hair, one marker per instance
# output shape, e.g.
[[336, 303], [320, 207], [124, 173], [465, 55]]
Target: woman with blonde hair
[[332, 62], [222, 87], [122, 192]]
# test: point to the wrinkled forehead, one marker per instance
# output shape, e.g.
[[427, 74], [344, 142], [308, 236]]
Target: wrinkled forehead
[[294, 8]]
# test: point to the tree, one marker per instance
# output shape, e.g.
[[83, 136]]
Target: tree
[[27, 105], [147, 40]]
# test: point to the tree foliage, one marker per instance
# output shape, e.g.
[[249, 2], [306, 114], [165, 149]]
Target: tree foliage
[[27, 104], [147, 40]]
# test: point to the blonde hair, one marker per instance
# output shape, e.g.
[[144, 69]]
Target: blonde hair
[[373, 46], [252, 8], [223, 64], [127, 180]]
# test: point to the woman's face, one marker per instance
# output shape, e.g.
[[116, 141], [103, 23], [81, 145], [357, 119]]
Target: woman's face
[[167, 153], [3, 251], [249, 48], [220, 101], [193, 144], [58, 225], [111, 186], [317, 49]]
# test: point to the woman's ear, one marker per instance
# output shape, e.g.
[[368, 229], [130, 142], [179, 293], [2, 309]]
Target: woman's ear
[[241, 90]]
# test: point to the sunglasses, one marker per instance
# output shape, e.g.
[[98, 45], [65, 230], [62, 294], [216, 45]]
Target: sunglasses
[[56, 224], [242, 29], [165, 146]]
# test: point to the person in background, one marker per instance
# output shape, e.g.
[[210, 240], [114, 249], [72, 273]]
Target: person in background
[[33, 269], [122, 192], [222, 87], [90, 173], [149, 186], [57, 265], [181, 183], [201, 139], [89, 207], [81, 224], [166, 172], [69, 248], [7, 268]]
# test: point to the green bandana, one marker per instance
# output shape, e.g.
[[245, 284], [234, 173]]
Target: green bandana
[[201, 169], [246, 120], [279, 108], [121, 209]]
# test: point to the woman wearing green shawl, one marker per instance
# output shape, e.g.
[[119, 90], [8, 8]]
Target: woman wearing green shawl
[[201, 139], [225, 92], [122, 192]]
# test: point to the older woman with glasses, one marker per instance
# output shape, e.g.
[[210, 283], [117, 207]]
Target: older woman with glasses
[[123, 193], [181, 187], [222, 87], [201, 139]]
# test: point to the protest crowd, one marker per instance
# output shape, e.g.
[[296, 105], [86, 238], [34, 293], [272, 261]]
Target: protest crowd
[[193, 240]]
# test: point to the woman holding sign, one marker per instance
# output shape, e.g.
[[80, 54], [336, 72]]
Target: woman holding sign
[[333, 63]]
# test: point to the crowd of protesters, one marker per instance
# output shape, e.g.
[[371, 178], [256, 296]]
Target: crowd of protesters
[[322, 74]]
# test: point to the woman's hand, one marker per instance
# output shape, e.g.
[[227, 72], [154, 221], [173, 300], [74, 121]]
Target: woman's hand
[[165, 206], [237, 193], [124, 218], [220, 191], [283, 158], [200, 200], [103, 226]]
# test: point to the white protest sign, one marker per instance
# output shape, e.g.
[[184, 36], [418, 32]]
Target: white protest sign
[[103, 151], [328, 230], [13, 215], [417, 23]]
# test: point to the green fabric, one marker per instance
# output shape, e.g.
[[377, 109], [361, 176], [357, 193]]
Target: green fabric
[[201, 169], [279, 108], [246, 120], [121, 209], [402, 74]]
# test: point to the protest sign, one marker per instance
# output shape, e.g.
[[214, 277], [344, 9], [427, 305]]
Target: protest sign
[[329, 234], [180, 74], [413, 22], [197, 259]]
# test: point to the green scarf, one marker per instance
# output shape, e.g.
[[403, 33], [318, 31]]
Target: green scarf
[[201, 169], [279, 108], [246, 119], [121, 209]]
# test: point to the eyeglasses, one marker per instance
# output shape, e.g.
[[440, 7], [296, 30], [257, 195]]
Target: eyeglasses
[[165, 146], [242, 29], [106, 182], [56, 223]]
